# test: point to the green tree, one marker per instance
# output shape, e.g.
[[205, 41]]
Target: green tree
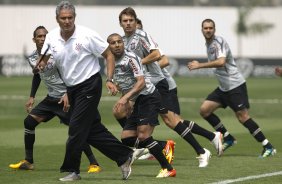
[[244, 27]]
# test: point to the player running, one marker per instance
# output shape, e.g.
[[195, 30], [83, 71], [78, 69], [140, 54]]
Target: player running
[[54, 104]]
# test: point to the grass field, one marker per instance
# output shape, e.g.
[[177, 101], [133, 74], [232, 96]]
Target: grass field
[[238, 162]]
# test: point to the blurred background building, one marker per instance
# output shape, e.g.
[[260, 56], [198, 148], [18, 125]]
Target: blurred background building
[[264, 3], [251, 27]]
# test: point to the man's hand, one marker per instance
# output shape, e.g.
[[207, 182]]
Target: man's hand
[[64, 99], [112, 88], [29, 104], [193, 65], [122, 106]]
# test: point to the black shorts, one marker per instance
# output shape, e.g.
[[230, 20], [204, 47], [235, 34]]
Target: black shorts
[[174, 107], [49, 108], [237, 98], [145, 111], [166, 101]]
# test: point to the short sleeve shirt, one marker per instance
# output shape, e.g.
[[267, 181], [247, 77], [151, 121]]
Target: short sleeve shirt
[[228, 76], [141, 44], [50, 76], [127, 68], [76, 58]]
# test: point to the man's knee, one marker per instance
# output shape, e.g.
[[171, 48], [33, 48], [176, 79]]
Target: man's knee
[[30, 123], [204, 111]]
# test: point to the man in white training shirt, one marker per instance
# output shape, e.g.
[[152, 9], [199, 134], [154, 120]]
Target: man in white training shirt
[[75, 50]]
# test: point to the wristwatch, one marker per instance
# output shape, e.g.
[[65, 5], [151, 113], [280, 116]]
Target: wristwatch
[[110, 80]]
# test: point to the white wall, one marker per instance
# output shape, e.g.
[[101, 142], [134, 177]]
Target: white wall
[[175, 29]]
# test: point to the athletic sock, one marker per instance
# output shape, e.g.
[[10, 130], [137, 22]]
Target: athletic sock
[[195, 128], [161, 143], [88, 152], [29, 137], [184, 131], [215, 122], [266, 144], [130, 141], [156, 150], [254, 130]]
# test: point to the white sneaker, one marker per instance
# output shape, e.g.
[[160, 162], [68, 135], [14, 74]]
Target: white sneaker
[[126, 167], [204, 158], [72, 176], [147, 156], [138, 152], [217, 143]]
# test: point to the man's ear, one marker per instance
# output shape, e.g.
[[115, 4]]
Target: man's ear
[[33, 39]]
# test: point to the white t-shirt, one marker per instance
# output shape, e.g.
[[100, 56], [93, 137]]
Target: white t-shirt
[[76, 58]]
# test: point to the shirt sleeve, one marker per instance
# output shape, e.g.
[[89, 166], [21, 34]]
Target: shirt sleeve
[[148, 43], [220, 48], [97, 44], [136, 67]]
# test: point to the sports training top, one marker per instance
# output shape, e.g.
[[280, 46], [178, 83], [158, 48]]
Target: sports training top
[[50, 75], [228, 76], [169, 78], [141, 44], [127, 68], [76, 58]]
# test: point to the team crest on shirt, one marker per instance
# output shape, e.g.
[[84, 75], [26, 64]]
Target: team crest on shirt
[[78, 47], [50, 65], [212, 50], [123, 68], [132, 46]]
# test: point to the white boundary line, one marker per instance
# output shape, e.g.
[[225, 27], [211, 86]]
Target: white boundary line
[[248, 178], [181, 99]]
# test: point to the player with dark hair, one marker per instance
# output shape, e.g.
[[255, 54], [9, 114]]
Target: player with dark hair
[[133, 84], [140, 42], [49, 107], [232, 90], [139, 24], [75, 50]]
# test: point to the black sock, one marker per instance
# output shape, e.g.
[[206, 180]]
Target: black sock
[[122, 121], [130, 141], [156, 150], [184, 131], [254, 130], [195, 128], [88, 152], [29, 137], [161, 143], [214, 121]]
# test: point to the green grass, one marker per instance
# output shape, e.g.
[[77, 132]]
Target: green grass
[[240, 161]]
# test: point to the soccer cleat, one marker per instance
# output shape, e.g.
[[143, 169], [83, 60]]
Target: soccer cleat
[[164, 173], [138, 152], [93, 168], [168, 151], [23, 165], [217, 143], [72, 176], [267, 152], [204, 158], [228, 143], [126, 167], [147, 156]]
